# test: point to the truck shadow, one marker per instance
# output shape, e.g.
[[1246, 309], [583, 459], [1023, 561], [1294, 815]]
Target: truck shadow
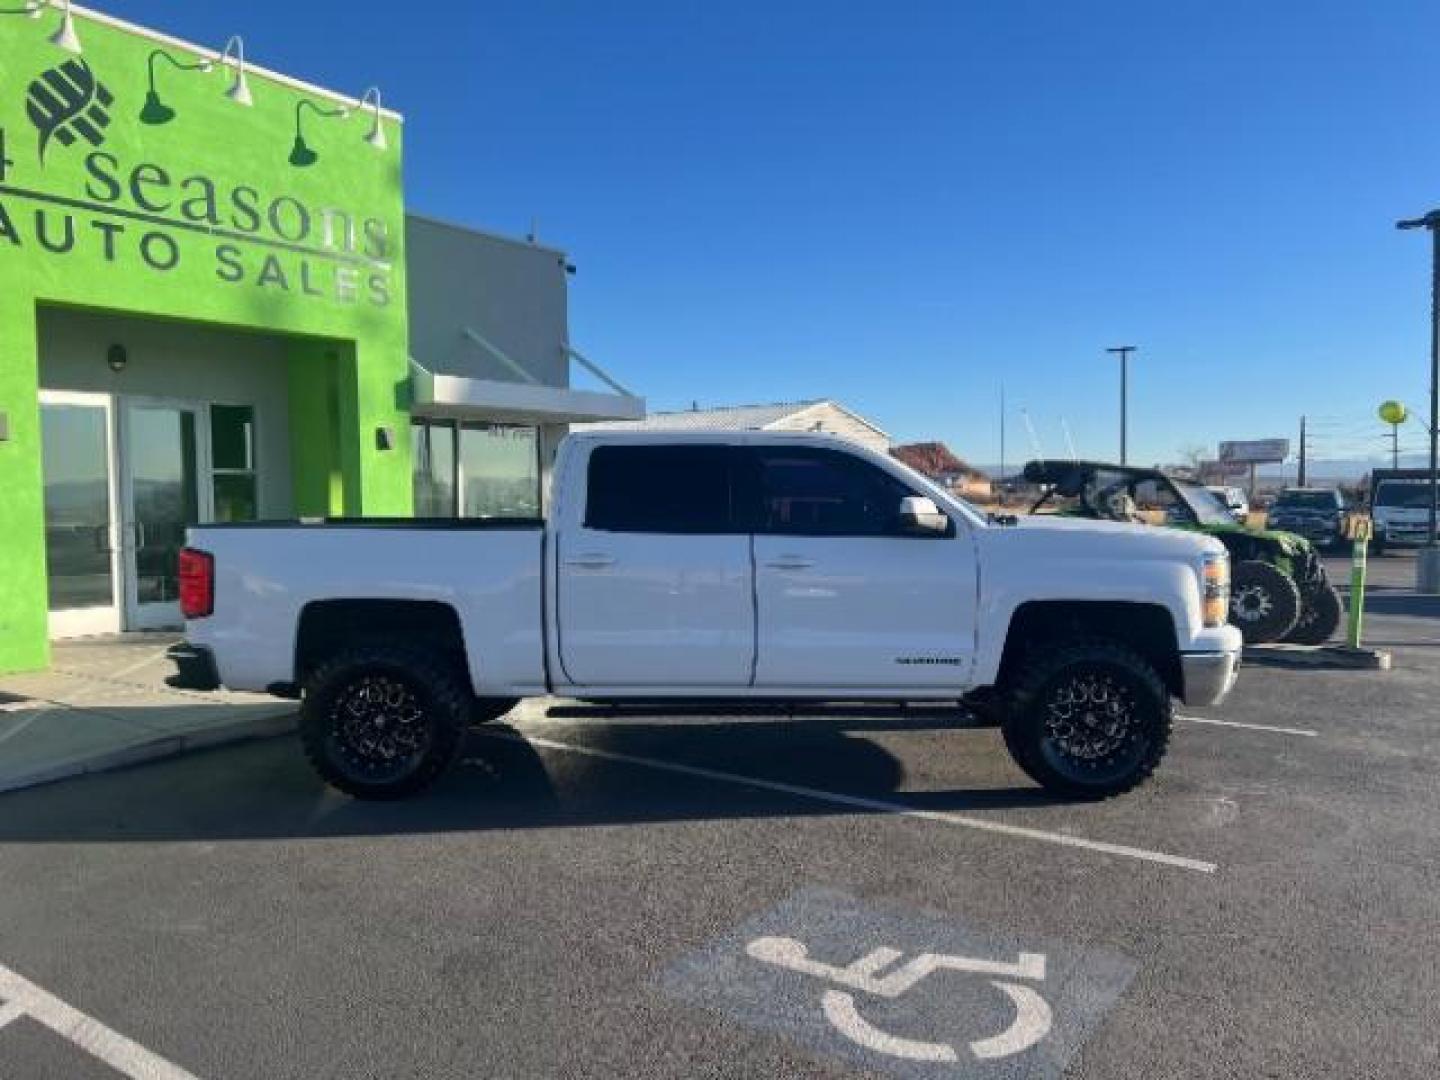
[[266, 790]]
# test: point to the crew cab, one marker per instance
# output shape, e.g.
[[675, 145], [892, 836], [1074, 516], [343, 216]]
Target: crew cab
[[754, 566]]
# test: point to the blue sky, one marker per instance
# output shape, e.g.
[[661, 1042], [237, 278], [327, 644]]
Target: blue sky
[[904, 205]]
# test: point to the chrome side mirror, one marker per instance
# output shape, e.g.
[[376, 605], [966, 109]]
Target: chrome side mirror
[[920, 515]]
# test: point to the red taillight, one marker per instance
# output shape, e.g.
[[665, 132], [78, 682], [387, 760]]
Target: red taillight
[[197, 583]]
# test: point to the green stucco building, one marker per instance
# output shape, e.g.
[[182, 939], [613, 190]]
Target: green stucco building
[[214, 306]]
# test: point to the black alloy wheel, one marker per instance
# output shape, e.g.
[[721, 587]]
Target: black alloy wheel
[[378, 728], [1092, 719], [382, 720]]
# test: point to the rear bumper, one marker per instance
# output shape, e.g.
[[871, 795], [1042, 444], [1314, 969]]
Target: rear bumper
[[194, 667], [1209, 676]]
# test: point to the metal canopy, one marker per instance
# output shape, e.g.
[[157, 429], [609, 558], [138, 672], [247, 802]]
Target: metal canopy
[[457, 397]]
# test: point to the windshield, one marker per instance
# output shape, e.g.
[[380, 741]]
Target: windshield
[[1305, 500], [1410, 494], [1209, 508]]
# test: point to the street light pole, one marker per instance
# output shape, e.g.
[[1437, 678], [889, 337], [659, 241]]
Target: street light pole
[[1124, 351], [1428, 569]]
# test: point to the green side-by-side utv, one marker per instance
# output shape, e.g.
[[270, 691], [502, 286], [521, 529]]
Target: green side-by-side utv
[[1279, 591]]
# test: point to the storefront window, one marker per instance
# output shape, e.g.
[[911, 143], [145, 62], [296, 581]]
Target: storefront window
[[232, 461], [494, 471], [500, 464], [433, 457]]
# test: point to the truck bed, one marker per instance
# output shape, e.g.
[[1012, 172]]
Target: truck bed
[[488, 571]]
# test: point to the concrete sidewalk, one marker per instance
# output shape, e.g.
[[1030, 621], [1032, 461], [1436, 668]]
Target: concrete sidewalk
[[104, 704]]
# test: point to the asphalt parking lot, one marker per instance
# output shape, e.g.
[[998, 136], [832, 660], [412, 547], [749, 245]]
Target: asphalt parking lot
[[839, 893]]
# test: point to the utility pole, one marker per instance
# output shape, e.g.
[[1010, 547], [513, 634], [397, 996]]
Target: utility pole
[[1300, 481], [1428, 565], [1002, 442], [1124, 351]]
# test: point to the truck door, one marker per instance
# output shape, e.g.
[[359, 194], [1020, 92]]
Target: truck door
[[845, 598], [655, 586]]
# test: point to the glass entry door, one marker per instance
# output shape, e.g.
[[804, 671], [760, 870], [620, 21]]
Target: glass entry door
[[164, 455], [81, 533]]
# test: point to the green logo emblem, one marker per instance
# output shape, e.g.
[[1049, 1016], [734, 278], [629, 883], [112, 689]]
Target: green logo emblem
[[67, 101]]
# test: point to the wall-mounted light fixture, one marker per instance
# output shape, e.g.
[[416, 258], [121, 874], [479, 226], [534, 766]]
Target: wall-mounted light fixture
[[376, 136], [234, 53], [301, 155], [65, 37], [116, 358], [156, 111]]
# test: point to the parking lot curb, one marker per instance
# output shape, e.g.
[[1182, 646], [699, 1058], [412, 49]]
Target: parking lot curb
[[163, 746], [1340, 657]]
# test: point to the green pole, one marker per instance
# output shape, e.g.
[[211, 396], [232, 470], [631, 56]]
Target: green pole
[[1357, 586]]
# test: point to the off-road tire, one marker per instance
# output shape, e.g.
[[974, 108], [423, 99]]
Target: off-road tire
[[427, 688], [1319, 616], [1043, 707], [483, 710], [1264, 603]]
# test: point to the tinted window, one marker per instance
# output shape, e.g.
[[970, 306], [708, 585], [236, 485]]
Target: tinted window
[[815, 492], [660, 489], [1411, 494]]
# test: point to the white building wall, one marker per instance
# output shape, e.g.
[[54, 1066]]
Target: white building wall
[[510, 292], [826, 417]]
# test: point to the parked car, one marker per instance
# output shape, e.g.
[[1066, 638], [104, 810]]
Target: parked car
[[748, 565], [1400, 507], [1317, 514], [1279, 589], [1234, 501]]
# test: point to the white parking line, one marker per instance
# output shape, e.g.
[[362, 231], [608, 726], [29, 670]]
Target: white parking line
[[878, 805], [130, 669], [1303, 732], [23, 723], [121, 1054]]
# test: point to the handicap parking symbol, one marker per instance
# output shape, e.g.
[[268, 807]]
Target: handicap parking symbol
[[909, 992]]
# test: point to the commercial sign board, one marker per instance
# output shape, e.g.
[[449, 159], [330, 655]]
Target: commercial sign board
[[1255, 451], [154, 205], [144, 176]]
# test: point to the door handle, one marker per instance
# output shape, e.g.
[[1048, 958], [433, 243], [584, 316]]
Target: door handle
[[592, 560], [790, 562]]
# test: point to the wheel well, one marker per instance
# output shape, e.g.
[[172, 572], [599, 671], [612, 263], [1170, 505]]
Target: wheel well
[[329, 625], [1146, 628]]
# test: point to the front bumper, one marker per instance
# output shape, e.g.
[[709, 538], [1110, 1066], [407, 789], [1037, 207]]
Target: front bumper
[[194, 667], [1321, 533], [1208, 676], [1404, 534]]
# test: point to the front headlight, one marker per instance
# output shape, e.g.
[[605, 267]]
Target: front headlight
[[1215, 589]]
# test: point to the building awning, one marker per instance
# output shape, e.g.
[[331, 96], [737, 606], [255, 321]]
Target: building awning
[[457, 397]]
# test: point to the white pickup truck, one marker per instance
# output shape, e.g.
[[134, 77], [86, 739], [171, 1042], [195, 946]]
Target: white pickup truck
[[715, 566]]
